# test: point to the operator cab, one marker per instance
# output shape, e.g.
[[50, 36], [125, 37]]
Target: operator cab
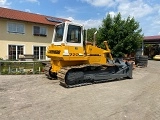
[[68, 33]]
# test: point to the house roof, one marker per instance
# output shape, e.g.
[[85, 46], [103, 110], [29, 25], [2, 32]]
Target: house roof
[[29, 17], [152, 39]]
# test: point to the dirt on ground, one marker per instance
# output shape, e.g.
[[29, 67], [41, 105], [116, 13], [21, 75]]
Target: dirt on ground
[[34, 97]]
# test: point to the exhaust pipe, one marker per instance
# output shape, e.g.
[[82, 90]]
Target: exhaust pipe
[[94, 43]]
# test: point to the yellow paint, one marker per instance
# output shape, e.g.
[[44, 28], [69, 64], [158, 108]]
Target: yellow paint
[[76, 55], [156, 57]]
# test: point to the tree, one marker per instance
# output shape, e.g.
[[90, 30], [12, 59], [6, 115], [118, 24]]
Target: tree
[[123, 36]]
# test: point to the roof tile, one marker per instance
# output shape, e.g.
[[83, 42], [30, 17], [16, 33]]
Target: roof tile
[[152, 37], [26, 16]]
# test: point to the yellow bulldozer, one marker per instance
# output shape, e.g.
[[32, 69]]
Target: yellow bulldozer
[[76, 62]]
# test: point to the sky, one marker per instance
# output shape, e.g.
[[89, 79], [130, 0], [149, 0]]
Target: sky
[[90, 13]]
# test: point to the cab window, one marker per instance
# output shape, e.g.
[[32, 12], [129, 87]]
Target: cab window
[[74, 34], [59, 33]]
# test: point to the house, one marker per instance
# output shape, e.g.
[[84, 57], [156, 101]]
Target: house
[[25, 33], [152, 39], [151, 45]]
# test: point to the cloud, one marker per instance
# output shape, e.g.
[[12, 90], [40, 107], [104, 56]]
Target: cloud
[[70, 18], [34, 1], [90, 23], [100, 3], [4, 3], [31, 1], [69, 9], [54, 1], [135, 9], [27, 10], [112, 14], [147, 13], [156, 21]]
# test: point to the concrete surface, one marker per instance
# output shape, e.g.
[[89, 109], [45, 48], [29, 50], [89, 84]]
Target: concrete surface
[[34, 97]]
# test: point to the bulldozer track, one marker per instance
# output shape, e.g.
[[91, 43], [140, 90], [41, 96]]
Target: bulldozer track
[[46, 70], [86, 74], [62, 73]]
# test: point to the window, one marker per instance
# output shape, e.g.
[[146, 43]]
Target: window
[[39, 31], [40, 52], [15, 28], [74, 34], [14, 51], [59, 33]]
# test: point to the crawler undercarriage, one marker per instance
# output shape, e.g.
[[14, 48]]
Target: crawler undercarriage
[[80, 75]]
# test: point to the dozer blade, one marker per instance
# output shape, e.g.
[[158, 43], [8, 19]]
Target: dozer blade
[[76, 76]]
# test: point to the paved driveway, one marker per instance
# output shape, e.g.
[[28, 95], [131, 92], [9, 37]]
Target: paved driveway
[[34, 97]]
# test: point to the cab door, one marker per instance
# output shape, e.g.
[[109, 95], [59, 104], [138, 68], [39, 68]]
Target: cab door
[[74, 42]]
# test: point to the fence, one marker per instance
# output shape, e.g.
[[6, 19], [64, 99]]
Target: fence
[[21, 67]]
